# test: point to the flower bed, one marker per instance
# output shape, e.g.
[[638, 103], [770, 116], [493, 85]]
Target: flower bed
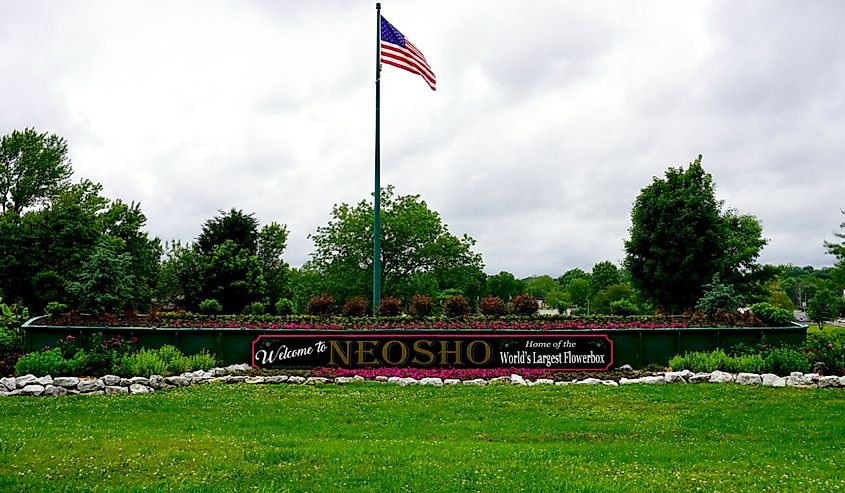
[[305, 322]]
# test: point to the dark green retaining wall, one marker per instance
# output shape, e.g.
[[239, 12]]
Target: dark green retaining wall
[[636, 347]]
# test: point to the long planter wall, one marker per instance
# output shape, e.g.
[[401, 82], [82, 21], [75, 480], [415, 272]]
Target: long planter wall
[[635, 347]]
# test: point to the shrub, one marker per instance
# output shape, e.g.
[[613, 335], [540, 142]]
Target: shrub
[[54, 309], [255, 308], [9, 342], [50, 362], [826, 350], [456, 306], [167, 360], [390, 307], [623, 307], [492, 306], [421, 305], [320, 305], [210, 307], [783, 361], [144, 363], [285, 307], [525, 304], [355, 306], [772, 315], [11, 336]]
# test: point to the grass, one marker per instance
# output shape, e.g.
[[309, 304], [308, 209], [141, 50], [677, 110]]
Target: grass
[[372, 437]]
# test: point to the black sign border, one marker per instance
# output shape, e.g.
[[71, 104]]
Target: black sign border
[[417, 334]]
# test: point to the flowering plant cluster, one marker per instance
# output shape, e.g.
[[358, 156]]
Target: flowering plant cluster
[[404, 322], [443, 373], [826, 353]]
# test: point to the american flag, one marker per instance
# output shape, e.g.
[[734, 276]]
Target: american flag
[[396, 50]]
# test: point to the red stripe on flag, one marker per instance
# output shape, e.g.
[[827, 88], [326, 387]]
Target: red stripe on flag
[[410, 60]]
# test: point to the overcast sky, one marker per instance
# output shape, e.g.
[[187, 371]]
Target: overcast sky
[[549, 116]]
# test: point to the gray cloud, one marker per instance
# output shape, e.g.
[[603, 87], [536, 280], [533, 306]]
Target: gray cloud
[[548, 120]]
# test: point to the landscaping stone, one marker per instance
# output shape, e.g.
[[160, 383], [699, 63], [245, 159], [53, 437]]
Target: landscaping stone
[[218, 372], [66, 382], [55, 391], [625, 368], [720, 377], [653, 380], [382, 378], [32, 389], [125, 382], [111, 380], [224, 379], [451, 381], [25, 380], [589, 381], [610, 383], [480, 382], [157, 382], [44, 381], [96, 392], [316, 381], [562, 382], [437, 382], [87, 386], [394, 380], [254, 380], [177, 381], [238, 368], [343, 380], [296, 380], [675, 377], [7, 384], [137, 388], [812, 377], [139, 381], [772, 380], [544, 381], [116, 389], [702, 377], [242, 378], [829, 381], [276, 379], [749, 379], [499, 381], [800, 380], [517, 379], [11, 393], [842, 381], [405, 382]]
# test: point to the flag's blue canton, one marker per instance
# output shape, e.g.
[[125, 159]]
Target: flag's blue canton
[[391, 34]]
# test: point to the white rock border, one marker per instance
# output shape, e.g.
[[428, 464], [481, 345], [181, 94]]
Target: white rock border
[[111, 384]]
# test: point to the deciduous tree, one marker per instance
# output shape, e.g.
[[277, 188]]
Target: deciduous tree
[[33, 168]]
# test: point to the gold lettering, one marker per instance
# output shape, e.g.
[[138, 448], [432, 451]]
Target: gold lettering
[[419, 350], [385, 353], [445, 352], [366, 352], [334, 348], [488, 353]]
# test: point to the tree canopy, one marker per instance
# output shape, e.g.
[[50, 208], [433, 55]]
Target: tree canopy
[[680, 238], [417, 249], [33, 168]]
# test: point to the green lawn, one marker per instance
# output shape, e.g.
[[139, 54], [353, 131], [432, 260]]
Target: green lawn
[[372, 437]]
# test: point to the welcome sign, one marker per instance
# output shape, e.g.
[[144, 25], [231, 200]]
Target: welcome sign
[[312, 349]]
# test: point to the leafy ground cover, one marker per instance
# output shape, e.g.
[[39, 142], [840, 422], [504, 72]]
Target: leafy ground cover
[[371, 437]]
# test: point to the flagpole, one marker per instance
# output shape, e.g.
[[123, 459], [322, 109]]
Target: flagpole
[[377, 201]]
